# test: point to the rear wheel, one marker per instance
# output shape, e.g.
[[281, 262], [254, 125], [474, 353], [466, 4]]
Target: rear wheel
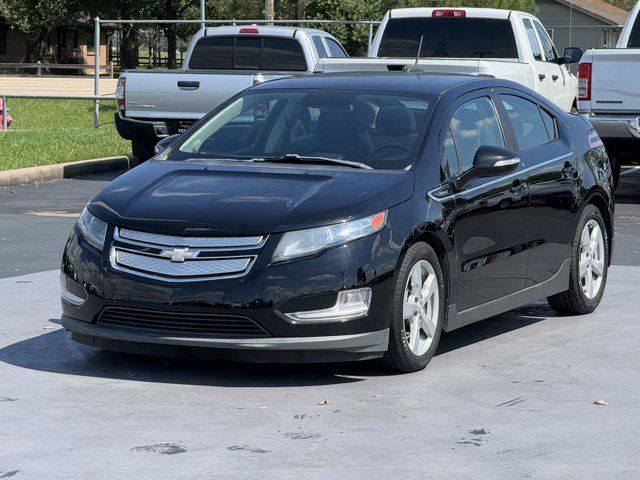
[[418, 310], [589, 264], [142, 150]]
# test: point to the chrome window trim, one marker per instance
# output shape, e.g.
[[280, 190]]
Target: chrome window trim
[[217, 243], [499, 179]]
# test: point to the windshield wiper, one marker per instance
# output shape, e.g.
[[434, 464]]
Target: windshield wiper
[[296, 158]]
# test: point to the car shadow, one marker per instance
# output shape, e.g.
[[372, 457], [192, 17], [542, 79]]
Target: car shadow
[[55, 352]]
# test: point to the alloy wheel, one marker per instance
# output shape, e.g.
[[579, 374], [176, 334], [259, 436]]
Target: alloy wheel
[[592, 259], [421, 307]]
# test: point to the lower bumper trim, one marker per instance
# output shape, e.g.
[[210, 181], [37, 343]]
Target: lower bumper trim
[[304, 349]]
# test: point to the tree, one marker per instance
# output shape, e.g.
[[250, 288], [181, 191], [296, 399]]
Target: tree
[[36, 19]]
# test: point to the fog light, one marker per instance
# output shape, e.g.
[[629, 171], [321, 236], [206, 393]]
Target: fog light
[[351, 304], [68, 296]]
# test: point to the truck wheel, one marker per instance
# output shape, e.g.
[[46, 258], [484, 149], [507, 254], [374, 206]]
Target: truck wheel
[[418, 306], [589, 263], [142, 150]]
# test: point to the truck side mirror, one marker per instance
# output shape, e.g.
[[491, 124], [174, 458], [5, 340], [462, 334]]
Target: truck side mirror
[[571, 55], [489, 161]]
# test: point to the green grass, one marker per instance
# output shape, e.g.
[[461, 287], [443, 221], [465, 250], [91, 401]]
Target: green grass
[[46, 131]]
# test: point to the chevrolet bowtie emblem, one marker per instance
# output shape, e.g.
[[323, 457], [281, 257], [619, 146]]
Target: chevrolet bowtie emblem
[[179, 255]]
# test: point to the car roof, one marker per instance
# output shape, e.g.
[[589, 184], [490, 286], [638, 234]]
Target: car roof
[[263, 30], [406, 82], [421, 12]]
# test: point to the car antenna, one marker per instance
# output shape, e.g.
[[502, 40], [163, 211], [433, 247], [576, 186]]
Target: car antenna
[[415, 67]]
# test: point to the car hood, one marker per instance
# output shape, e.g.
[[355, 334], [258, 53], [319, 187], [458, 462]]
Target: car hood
[[228, 198]]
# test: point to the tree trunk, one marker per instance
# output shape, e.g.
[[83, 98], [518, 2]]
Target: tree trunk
[[269, 10], [36, 45], [129, 49], [172, 45]]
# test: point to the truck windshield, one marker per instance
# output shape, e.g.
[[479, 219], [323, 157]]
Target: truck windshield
[[449, 37], [377, 129]]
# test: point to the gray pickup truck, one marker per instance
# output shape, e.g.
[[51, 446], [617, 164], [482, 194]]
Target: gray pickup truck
[[220, 62]]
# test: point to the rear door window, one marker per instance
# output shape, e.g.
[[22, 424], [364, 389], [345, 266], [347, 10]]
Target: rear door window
[[248, 53], [320, 48], [335, 50], [449, 37], [527, 122], [533, 39], [547, 45]]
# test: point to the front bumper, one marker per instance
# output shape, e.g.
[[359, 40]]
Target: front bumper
[[616, 126], [264, 295], [358, 346]]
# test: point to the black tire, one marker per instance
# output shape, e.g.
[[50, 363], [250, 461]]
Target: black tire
[[399, 357], [142, 150], [574, 301]]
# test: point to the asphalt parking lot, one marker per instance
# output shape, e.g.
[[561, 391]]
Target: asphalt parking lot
[[510, 397]]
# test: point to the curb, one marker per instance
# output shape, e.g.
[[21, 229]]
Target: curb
[[65, 170]]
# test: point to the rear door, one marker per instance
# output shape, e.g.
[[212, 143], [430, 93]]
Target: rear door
[[490, 215], [544, 146]]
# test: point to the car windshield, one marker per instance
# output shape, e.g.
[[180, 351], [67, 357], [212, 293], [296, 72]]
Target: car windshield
[[342, 127]]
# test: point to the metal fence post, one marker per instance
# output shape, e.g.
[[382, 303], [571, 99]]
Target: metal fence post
[[5, 121], [203, 15], [39, 72], [370, 37], [96, 74]]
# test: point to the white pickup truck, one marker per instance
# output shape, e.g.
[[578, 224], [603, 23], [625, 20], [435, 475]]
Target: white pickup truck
[[478, 41], [609, 93], [220, 62]]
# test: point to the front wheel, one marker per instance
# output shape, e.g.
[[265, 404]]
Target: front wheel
[[589, 264], [418, 310]]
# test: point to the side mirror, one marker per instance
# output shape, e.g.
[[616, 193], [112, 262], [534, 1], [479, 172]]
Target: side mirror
[[165, 142], [571, 55], [489, 162]]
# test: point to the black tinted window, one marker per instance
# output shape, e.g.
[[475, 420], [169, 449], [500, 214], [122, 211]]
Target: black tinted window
[[634, 37], [282, 54], [334, 48], [247, 52], [473, 125], [213, 52], [550, 123], [526, 120], [449, 37]]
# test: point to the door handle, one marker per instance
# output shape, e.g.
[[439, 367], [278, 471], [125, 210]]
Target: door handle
[[188, 84], [554, 77], [542, 76]]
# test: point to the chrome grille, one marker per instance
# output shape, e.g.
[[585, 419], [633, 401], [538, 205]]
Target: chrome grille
[[175, 258]]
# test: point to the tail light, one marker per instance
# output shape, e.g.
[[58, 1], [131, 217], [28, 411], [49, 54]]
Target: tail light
[[449, 13], [120, 101], [584, 81]]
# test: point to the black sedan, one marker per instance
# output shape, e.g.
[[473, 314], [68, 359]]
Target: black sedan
[[341, 217]]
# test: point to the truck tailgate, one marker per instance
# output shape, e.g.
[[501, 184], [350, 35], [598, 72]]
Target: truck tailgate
[[615, 80], [179, 95]]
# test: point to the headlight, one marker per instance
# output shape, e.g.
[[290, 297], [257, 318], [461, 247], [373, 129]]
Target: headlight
[[307, 242], [92, 229]]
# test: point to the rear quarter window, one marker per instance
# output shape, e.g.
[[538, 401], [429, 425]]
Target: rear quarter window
[[634, 37]]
